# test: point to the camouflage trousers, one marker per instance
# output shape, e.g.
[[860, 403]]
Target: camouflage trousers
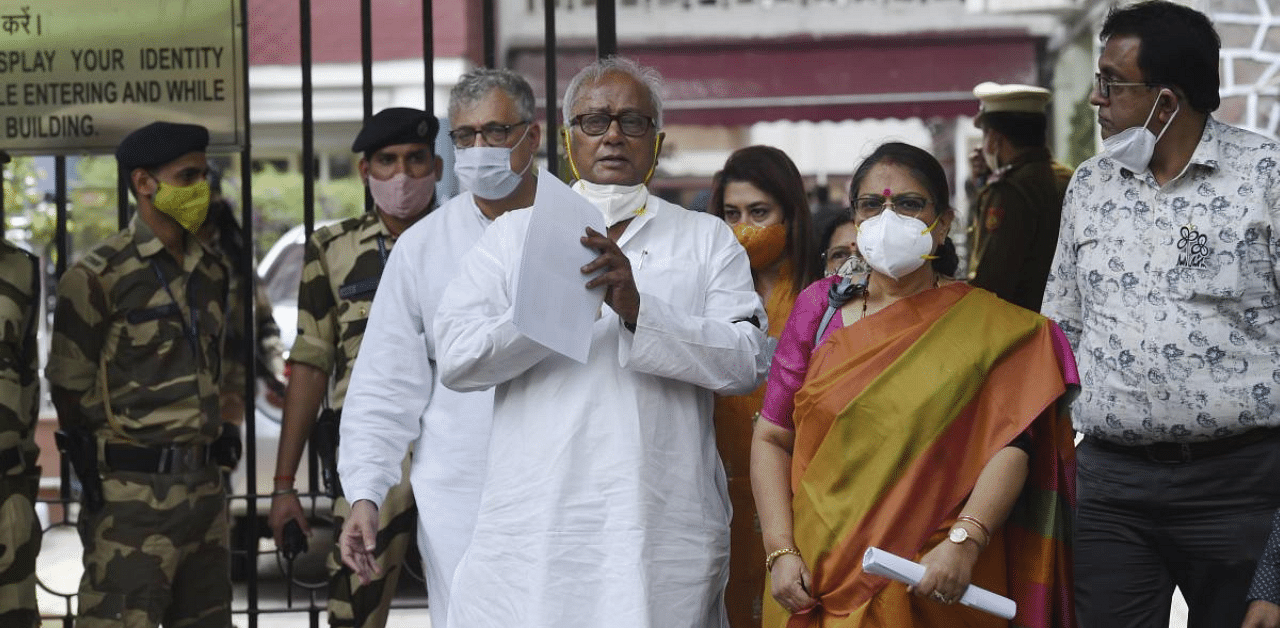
[[19, 545], [157, 552], [352, 604]]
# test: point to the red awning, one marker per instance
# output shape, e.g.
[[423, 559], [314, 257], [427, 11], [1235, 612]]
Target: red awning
[[745, 81]]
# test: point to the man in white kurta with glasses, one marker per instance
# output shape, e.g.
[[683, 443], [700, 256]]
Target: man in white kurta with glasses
[[605, 502]]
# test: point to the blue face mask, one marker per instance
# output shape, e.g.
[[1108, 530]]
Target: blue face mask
[[486, 170]]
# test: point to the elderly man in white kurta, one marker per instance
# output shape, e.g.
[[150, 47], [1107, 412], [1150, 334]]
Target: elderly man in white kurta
[[394, 398], [605, 502]]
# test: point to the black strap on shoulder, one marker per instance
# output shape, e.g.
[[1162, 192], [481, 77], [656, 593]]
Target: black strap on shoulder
[[841, 292]]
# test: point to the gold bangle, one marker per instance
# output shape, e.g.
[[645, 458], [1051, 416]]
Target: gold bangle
[[769, 560], [974, 520]]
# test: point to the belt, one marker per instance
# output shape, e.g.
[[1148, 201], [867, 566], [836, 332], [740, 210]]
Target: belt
[[1175, 453], [171, 459]]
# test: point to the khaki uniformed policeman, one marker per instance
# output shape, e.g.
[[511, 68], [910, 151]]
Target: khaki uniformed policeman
[[1016, 214], [19, 475], [135, 368], [343, 264]]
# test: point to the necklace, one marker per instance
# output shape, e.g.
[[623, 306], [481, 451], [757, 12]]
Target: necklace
[[866, 295]]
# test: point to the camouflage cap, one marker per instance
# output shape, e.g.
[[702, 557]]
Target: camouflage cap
[[159, 143], [397, 125]]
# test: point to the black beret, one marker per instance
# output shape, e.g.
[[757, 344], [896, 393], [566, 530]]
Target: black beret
[[397, 125], [159, 143]]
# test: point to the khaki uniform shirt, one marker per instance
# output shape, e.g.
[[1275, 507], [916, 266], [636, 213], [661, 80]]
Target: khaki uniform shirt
[[340, 274], [19, 386], [141, 340], [1015, 229]]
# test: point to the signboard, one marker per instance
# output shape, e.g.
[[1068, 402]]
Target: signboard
[[76, 76]]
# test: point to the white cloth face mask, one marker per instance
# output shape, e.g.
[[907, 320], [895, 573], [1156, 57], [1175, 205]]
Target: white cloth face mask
[[616, 202], [403, 196], [486, 170], [893, 244], [1133, 147]]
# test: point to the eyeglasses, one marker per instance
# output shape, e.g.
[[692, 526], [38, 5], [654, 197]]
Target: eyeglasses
[[632, 124], [1104, 85], [870, 206], [494, 133], [836, 255]]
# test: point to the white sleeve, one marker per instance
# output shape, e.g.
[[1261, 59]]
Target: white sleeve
[[1062, 289], [721, 348], [390, 384], [477, 343]]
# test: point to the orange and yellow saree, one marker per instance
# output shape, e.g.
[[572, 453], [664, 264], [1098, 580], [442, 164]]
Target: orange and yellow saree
[[898, 415]]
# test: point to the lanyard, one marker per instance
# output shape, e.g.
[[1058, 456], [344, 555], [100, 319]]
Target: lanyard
[[193, 329], [382, 250]]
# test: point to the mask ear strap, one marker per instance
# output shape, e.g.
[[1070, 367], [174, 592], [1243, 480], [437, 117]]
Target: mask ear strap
[[568, 153], [1175, 111], [657, 143], [930, 256]]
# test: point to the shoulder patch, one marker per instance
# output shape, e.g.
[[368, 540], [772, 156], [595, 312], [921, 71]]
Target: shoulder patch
[[993, 218]]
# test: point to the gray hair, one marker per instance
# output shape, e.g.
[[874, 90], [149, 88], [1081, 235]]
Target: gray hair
[[643, 75], [478, 83]]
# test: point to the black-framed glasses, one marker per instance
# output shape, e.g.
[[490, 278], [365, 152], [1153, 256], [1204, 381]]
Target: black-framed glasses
[[871, 205], [1104, 85], [494, 133], [597, 123]]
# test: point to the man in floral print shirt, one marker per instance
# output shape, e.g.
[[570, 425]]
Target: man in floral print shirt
[[1165, 281]]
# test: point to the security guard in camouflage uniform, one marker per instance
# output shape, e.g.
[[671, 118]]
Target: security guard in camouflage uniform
[[135, 369], [1016, 213], [19, 475], [343, 264]]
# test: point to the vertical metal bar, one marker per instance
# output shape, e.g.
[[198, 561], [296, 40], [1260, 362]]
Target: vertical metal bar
[[490, 40], [308, 120], [606, 28], [366, 69], [552, 89], [60, 206], [122, 197], [428, 59], [249, 337], [4, 159]]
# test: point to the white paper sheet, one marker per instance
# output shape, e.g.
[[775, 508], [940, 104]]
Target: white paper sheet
[[552, 304], [881, 563]]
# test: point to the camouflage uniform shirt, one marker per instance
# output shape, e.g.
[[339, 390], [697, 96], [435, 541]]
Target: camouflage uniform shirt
[[340, 273], [19, 387], [140, 340]]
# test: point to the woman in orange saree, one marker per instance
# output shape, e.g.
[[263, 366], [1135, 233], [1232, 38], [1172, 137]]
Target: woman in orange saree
[[760, 194], [927, 422]]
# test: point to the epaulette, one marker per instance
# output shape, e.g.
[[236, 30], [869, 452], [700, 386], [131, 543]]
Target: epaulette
[[328, 233], [106, 253]]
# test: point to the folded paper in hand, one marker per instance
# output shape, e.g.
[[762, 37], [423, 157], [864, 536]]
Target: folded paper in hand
[[881, 563]]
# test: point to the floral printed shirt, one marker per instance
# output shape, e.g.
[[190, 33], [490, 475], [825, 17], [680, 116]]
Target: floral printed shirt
[[1169, 294]]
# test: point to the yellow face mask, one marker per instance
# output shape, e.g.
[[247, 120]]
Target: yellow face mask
[[188, 205]]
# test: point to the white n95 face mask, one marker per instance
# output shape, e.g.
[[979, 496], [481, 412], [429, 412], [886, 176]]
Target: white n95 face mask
[[615, 202], [895, 245], [486, 170], [1133, 147]]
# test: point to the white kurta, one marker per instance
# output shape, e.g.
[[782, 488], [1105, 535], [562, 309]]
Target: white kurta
[[395, 399], [605, 501]]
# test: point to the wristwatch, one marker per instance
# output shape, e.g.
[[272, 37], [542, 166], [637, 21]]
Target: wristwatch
[[960, 535]]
